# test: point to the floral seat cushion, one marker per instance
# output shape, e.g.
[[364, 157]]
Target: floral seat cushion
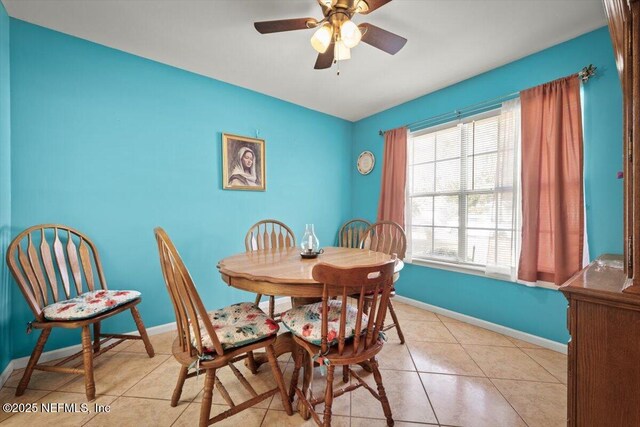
[[306, 322], [88, 305], [236, 325]]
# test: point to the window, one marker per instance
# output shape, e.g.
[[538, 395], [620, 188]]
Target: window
[[462, 192]]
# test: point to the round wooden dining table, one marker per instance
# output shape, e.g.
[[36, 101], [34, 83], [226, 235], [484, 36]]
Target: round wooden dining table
[[283, 272]]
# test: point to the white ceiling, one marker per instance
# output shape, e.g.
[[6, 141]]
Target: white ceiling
[[449, 41]]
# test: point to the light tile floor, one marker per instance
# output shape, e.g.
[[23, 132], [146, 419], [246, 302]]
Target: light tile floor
[[448, 373]]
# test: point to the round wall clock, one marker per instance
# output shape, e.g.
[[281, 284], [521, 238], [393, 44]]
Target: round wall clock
[[366, 162]]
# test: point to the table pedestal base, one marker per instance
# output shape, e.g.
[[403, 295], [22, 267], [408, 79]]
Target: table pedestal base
[[285, 344]]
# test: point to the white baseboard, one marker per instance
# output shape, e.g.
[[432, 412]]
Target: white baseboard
[[59, 353], [264, 305], [533, 339], [4, 376]]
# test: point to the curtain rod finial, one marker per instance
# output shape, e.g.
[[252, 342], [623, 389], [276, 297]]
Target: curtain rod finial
[[587, 72], [380, 132]]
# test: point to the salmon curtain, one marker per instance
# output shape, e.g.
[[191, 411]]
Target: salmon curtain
[[552, 182], [394, 176]]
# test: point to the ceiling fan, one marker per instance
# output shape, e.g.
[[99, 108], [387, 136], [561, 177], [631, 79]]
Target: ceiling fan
[[336, 34]]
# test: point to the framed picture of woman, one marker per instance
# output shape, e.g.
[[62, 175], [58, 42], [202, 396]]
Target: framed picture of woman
[[243, 163]]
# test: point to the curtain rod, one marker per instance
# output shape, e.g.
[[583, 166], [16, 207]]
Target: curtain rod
[[585, 74]]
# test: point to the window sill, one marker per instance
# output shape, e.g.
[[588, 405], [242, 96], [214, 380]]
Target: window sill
[[477, 271]]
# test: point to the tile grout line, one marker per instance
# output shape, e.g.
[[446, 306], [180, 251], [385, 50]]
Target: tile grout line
[[467, 353], [492, 383], [486, 377], [505, 398], [422, 383], [37, 400], [540, 364], [144, 376], [136, 383], [511, 379], [482, 370], [557, 381]]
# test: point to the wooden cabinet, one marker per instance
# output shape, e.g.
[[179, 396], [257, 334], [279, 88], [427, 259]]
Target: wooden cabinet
[[604, 351], [624, 26], [604, 299]]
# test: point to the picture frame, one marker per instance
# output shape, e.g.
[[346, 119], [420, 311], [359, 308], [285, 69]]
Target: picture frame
[[243, 163]]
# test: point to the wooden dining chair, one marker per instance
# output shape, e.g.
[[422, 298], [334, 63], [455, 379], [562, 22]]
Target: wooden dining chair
[[212, 340], [267, 234], [387, 237], [334, 333], [351, 232], [60, 275]]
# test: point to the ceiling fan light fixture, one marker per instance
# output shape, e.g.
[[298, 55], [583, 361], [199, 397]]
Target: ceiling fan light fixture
[[350, 34], [342, 52], [321, 39], [362, 7]]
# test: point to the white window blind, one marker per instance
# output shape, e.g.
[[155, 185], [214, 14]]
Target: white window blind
[[462, 195]]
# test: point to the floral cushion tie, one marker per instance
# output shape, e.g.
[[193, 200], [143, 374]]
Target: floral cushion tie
[[236, 325], [306, 321], [88, 304]]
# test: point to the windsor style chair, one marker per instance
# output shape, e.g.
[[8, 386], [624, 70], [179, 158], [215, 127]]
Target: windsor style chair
[[65, 287], [351, 232], [335, 333], [215, 339], [387, 237], [268, 234]]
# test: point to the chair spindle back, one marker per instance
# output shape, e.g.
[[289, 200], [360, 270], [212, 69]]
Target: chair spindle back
[[53, 262], [344, 282], [269, 234], [351, 232], [387, 237], [186, 301]]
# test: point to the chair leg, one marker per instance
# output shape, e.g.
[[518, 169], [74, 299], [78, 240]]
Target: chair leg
[[177, 392], [258, 298], [142, 330], [205, 406], [87, 358], [277, 373], [396, 322], [33, 360], [328, 397], [345, 373], [381, 392], [96, 337], [297, 358]]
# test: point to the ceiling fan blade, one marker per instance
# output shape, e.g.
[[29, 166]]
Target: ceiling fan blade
[[382, 39], [325, 60], [373, 5], [266, 27]]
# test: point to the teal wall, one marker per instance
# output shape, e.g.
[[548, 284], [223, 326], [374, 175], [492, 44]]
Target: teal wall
[[534, 310], [116, 145], [5, 190]]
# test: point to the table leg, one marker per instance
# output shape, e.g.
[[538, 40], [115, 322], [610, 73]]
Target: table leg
[[284, 344], [307, 373]]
